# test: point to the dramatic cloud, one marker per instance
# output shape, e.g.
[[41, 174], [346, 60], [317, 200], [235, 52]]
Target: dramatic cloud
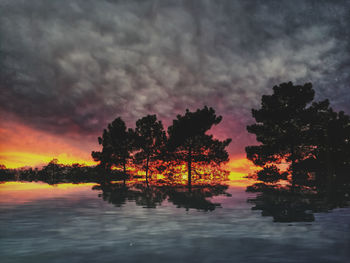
[[70, 67]]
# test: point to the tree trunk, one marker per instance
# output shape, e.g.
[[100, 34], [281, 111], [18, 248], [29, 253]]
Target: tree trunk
[[124, 169], [189, 162], [293, 166], [147, 162]]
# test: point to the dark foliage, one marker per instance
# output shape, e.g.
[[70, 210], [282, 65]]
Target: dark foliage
[[188, 141], [313, 140], [150, 141], [148, 147], [117, 145], [7, 174], [282, 125], [55, 173]]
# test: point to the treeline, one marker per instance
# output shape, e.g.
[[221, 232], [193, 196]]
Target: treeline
[[148, 145], [185, 147], [54, 173]]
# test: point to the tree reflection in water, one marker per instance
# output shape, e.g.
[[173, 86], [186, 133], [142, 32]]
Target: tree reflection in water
[[282, 205], [207, 182], [119, 193], [299, 205], [155, 194]]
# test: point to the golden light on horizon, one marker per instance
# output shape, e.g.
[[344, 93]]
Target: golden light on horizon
[[22, 146], [239, 167], [24, 159]]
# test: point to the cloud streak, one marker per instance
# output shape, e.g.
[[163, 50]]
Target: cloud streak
[[70, 67]]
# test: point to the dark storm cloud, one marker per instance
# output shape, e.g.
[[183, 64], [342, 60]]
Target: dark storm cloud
[[76, 65]]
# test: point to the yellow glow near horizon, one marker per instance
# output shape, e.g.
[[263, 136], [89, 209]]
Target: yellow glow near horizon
[[22, 159], [22, 146], [17, 186], [237, 175], [239, 168]]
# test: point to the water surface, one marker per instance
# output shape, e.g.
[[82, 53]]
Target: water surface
[[74, 223]]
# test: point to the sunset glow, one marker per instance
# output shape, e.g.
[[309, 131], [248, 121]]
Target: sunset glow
[[240, 167], [23, 146], [174, 131]]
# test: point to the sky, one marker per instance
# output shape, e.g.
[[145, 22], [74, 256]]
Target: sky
[[68, 68]]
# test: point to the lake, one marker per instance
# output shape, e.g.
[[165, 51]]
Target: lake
[[89, 223]]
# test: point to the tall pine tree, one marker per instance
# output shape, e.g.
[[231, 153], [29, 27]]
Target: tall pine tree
[[117, 145], [189, 143], [150, 141], [282, 127]]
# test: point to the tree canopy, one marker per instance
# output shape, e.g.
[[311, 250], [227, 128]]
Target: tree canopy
[[313, 140], [308, 135], [149, 141], [188, 141], [148, 146], [117, 144], [281, 125]]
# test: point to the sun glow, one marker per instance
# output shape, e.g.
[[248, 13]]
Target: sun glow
[[23, 146], [240, 167], [22, 159]]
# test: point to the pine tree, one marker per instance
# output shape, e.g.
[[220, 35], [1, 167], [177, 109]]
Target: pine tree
[[117, 145], [188, 141], [150, 141], [282, 126]]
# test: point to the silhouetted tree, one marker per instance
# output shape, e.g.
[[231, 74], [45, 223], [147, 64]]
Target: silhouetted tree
[[150, 141], [282, 126], [50, 173], [270, 174], [330, 140], [6, 174], [188, 141], [314, 139], [117, 144]]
